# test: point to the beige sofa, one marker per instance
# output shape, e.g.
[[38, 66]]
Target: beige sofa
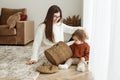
[[21, 34]]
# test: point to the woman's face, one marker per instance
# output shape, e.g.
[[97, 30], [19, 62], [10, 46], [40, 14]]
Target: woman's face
[[56, 17]]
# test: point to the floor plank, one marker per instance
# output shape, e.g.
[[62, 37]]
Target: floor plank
[[69, 74]]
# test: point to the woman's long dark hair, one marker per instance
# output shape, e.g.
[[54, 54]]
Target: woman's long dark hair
[[49, 21]]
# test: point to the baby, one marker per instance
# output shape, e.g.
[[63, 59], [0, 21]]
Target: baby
[[80, 50]]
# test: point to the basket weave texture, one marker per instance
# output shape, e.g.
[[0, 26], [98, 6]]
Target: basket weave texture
[[58, 53], [47, 69]]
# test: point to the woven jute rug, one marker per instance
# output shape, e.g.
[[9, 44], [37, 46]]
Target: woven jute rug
[[13, 63]]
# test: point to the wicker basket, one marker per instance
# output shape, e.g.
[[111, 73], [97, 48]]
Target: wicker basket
[[58, 53]]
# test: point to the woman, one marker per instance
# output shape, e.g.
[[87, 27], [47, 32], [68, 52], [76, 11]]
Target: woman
[[50, 32]]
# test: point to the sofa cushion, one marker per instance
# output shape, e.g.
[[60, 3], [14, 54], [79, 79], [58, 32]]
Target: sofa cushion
[[12, 20], [5, 31], [6, 12]]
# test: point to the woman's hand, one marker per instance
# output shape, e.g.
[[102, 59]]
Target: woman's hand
[[31, 62]]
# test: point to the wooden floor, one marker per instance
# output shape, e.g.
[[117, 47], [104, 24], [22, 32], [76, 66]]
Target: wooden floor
[[69, 74]]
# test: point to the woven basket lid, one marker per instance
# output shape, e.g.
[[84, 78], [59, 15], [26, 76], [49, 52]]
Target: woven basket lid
[[47, 69]]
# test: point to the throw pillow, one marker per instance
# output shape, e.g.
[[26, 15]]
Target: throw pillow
[[23, 17], [12, 20]]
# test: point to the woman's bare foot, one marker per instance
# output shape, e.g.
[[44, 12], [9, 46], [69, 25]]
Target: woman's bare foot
[[31, 62]]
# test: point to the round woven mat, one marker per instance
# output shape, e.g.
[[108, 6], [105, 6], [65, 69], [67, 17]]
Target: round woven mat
[[47, 69]]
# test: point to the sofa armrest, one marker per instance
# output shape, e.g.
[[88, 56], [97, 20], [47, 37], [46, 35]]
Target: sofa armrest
[[0, 19], [25, 32]]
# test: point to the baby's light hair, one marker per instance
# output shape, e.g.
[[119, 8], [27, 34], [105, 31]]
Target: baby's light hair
[[80, 34]]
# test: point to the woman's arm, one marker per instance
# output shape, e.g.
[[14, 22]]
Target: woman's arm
[[70, 29], [37, 42]]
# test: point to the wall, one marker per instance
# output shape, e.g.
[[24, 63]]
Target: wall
[[37, 9]]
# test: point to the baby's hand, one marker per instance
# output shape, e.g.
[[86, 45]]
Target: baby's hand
[[82, 59], [31, 62]]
